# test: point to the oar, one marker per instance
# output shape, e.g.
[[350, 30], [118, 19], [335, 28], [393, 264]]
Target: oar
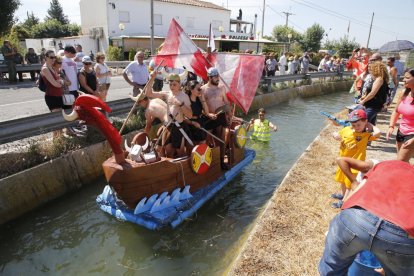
[[133, 107]]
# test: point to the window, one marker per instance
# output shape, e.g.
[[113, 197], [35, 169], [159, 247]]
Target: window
[[157, 19], [189, 22], [124, 16]]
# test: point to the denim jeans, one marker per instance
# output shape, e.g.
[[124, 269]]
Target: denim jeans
[[354, 230], [372, 114]]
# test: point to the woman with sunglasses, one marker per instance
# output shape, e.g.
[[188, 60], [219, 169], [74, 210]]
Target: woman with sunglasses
[[87, 78], [54, 84], [57, 66], [200, 111], [103, 74]]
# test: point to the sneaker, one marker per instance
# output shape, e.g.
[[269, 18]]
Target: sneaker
[[337, 196], [337, 204]]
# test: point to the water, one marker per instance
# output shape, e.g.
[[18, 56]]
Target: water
[[72, 236]]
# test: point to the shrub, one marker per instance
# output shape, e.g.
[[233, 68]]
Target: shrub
[[114, 53]]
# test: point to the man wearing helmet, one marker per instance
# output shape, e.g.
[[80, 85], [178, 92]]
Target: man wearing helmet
[[216, 98]]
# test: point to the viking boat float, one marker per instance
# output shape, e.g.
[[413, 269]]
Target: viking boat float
[[159, 192]]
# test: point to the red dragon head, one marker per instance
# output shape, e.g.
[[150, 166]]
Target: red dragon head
[[86, 109]]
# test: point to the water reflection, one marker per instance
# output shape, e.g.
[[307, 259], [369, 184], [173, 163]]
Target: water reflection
[[72, 236]]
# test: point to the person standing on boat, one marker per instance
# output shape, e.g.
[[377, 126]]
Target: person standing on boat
[[216, 98], [178, 107], [261, 127]]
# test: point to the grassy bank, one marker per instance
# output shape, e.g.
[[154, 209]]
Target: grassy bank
[[288, 238]]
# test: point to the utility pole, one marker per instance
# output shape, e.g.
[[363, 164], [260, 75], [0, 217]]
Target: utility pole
[[263, 16], [287, 17], [370, 28], [152, 28]]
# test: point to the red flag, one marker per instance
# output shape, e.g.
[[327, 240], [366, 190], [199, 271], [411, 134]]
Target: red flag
[[240, 73]]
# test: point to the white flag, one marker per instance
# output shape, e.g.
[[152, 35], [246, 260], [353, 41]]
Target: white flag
[[210, 42]]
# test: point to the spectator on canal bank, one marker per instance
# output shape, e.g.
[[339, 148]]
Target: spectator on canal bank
[[71, 69], [405, 133], [375, 218], [32, 58], [376, 95], [271, 65], [78, 57], [354, 140], [304, 62], [104, 74], [282, 64], [8, 54], [139, 73]]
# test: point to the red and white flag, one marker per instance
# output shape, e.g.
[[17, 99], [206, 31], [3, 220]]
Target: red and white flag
[[240, 73]]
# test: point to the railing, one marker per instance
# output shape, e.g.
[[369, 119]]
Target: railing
[[38, 67], [35, 125]]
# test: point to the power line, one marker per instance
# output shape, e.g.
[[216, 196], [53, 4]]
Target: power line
[[281, 15]]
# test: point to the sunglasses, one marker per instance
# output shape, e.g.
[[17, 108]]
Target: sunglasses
[[52, 57], [58, 62], [87, 63]]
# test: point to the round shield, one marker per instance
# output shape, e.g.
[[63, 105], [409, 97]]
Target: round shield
[[201, 158], [240, 136]]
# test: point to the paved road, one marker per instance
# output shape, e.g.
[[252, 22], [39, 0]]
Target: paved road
[[25, 99]]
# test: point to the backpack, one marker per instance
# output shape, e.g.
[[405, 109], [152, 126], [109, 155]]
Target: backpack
[[41, 84]]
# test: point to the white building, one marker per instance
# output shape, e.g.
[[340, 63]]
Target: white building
[[127, 23]]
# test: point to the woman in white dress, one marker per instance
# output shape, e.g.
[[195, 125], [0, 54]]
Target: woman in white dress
[[104, 74]]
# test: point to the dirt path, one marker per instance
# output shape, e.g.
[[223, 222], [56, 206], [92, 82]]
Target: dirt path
[[288, 237]]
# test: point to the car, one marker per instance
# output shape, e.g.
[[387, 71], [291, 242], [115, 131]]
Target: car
[[1, 59]]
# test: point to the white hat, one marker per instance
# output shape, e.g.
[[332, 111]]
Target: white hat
[[86, 59]]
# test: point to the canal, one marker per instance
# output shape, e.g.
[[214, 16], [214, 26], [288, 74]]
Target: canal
[[72, 236]]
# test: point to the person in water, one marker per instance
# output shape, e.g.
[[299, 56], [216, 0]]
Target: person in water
[[261, 127]]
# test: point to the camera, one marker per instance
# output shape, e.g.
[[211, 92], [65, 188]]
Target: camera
[[357, 50]]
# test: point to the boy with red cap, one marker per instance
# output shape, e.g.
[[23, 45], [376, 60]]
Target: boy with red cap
[[354, 140]]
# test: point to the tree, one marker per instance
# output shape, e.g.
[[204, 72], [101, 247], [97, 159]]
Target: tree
[[280, 34], [56, 12], [312, 37], [51, 29], [7, 9], [343, 46], [31, 21]]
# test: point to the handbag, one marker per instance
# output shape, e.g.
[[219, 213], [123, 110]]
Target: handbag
[[68, 99]]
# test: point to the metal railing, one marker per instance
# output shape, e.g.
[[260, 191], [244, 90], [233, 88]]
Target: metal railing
[[35, 125], [38, 67]]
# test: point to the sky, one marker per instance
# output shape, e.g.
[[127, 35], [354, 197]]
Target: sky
[[392, 19]]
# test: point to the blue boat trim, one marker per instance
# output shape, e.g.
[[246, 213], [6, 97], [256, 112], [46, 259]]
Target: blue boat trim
[[171, 216]]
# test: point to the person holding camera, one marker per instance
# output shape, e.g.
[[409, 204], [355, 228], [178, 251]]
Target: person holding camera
[[358, 62]]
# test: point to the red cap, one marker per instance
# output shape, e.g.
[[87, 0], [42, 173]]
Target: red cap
[[357, 115]]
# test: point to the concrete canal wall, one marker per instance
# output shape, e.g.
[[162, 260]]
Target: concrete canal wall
[[27, 190]]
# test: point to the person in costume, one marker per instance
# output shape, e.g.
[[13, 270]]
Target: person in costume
[[354, 140], [261, 127]]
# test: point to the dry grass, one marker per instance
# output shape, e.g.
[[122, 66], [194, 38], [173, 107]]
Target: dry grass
[[288, 238]]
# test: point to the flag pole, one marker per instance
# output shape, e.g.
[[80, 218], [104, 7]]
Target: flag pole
[[135, 104]]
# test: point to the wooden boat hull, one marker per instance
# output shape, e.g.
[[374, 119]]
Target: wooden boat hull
[[133, 181], [172, 215]]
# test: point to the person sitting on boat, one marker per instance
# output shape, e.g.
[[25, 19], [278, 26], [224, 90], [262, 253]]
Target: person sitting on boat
[[200, 111], [155, 113], [261, 127], [178, 106], [216, 98]]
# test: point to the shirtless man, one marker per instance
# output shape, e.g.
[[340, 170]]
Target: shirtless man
[[178, 106], [155, 113], [215, 96]]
